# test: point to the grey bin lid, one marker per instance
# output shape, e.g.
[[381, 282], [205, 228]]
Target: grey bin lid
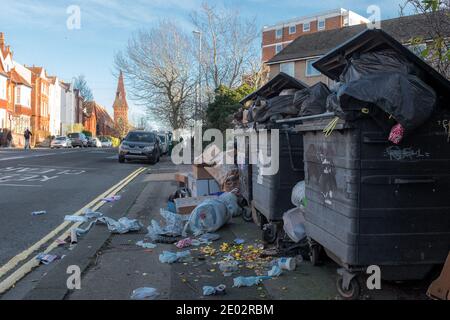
[[333, 63], [275, 86]]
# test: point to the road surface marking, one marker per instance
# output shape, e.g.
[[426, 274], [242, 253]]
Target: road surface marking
[[54, 167], [65, 227], [20, 185], [37, 155]]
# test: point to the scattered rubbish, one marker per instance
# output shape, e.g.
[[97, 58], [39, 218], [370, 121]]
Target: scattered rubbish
[[209, 237], [275, 272], [228, 267], [124, 225], [298, 195], [74, 218], [38, 213], [293, 224], [81, 231], [60, 242], [46, 258], [145, 294], [288, 264], [184, 243], [73, 236], [92, 215], [171, 257], [248, 281], [396, 135], [213, 291], [146, 245], [112, 199], [174, 226], [239, 241]]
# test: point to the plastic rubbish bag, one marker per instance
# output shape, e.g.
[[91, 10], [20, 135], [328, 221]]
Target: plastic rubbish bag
[[124, 225], [293, 224], [299, 97], [228, 267], [248, 281], [92, 215], [231, 201], [145, 294], [209, 216], [174, 225], [383, 61], [275, 272], [298, 194], [172, 257], [407, 98], [146, 245], [316, 102], [212, 291], [281, 105]]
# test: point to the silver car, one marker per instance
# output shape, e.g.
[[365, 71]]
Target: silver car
[[61, 142]]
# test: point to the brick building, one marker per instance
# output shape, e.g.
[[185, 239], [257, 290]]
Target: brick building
[[276, 37], [97, 120]]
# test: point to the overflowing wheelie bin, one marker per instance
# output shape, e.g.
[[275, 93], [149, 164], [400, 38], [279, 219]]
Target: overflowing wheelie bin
[[378, 176], [271, 191]]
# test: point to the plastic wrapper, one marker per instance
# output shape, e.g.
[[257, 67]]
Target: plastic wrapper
[[248, 281], [172, 257], [145, 294], [174, 225], [298, 194], [293, 225], [124, 225]]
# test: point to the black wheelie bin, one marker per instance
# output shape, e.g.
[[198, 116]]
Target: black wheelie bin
[[371, 202]]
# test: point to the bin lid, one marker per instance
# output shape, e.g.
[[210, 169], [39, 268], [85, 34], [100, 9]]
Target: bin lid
[[275, 86], [333, 63]]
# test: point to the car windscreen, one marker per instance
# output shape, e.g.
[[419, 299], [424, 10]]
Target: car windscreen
[[61, 138], [140, 137]]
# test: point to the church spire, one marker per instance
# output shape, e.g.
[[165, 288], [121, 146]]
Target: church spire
[[120, 107]]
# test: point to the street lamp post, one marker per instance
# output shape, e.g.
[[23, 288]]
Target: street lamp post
[[198, 108]]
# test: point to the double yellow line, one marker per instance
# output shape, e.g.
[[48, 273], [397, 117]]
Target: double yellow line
[[63, 231]]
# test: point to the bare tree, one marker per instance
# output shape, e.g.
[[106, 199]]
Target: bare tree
[[81, 84], [436, 27], [229, 45], [158, 64]]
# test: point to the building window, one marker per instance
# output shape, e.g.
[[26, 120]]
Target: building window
[[18, 98], [279, 33], [321, 24], [288, 68], [292, 29], [310, 70], [307, 27], [278, 48]]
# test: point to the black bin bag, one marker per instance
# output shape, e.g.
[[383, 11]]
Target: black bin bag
[[316, 102], [407, 98], [276, 107]]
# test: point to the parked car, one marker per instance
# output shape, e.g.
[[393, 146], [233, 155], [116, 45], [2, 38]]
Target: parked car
[[78, 140], [94, 143], [61, 142], [140, 145], [105, 142], [164, 146]]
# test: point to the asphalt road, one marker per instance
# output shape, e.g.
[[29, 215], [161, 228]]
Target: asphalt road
[[58, 181]]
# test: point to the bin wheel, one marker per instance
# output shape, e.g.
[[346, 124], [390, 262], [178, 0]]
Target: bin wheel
[[270, 233], [314, 254], [247, 214], [256, 216], [354, 289]]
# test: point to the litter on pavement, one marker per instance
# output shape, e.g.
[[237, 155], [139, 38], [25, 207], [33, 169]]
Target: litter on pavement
[[213, 291], [174, 226], [124, 225], [112, 199], [46, 258], [38, 213], [275, 272], [172, 257], [146, 245], [76, 219], [145, 294], [248, 281]]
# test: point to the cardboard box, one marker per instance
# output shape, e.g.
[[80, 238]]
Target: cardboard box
[[203, 187], [199, 172], [182, 179], [187, 205]]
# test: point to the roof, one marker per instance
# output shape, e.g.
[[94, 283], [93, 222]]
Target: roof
[[275, 86], [18, 79], [121, 96], [403, 29]]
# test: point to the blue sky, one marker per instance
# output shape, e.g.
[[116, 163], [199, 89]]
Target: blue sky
[[37, 32]]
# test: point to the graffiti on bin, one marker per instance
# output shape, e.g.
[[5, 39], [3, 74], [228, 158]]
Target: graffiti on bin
[[446, 125], [324, 174], [400, 154]]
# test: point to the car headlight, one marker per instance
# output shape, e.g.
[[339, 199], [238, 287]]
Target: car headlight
[[123, 147], [148, 149]]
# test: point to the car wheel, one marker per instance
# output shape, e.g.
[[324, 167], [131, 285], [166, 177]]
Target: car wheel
[[121, 159]]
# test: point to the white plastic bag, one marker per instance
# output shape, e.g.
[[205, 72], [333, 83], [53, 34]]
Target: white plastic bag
[[298, 194], [294, 224]]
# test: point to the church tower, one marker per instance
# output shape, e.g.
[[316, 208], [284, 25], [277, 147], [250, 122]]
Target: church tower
[[120, 107]]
